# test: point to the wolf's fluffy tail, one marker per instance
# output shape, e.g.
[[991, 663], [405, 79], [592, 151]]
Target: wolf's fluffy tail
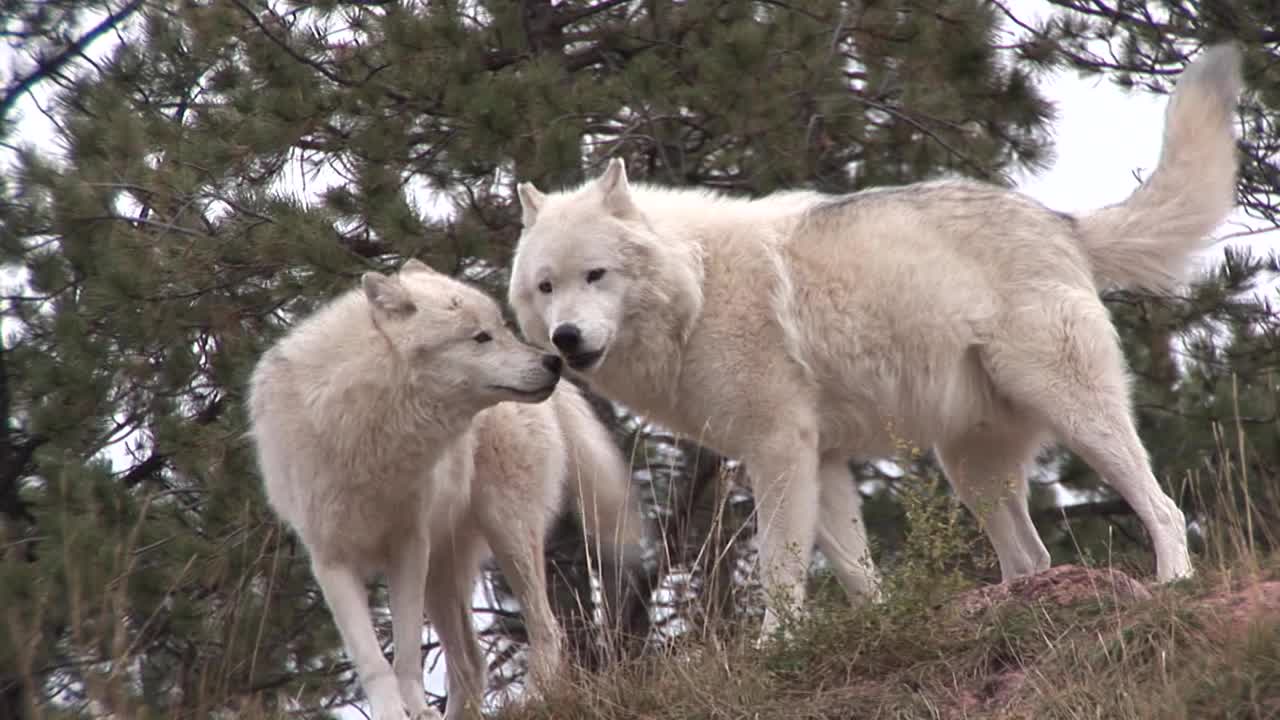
[[599, 478], [600, 485], [601, 490], [1147, 240]]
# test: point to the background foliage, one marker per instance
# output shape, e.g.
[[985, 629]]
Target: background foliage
[[226, 166]]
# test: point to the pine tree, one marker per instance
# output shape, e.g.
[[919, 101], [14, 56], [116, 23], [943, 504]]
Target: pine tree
[[228, 166]]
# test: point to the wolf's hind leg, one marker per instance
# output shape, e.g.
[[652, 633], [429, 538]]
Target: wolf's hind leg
[[842, 534], [1063, 364], [784, 478], [988, 470], [450, 581], [518, 547]]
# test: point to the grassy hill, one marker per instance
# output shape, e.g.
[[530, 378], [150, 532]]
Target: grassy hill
[[1075, 642], [1072, 643]]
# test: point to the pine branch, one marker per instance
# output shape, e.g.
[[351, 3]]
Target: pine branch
[[565, 19], [363, 244], [47, 67], [974, 165], [15, 455], [316, 65], [158, 460]]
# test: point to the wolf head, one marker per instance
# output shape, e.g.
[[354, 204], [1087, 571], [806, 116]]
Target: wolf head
[[590, 273], [453, 340]]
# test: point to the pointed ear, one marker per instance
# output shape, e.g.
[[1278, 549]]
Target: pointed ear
[[416, 265], [530, 203], [615, 189], [386, 295]]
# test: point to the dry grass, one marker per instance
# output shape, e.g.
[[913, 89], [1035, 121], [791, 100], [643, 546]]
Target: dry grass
[[1171, 656], [1192, 650], [1198, 649]]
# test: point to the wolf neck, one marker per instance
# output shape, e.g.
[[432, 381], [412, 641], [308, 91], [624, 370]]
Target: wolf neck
[[687, 231], [372, 388], [409, 432], [644, 372], [684, 228]]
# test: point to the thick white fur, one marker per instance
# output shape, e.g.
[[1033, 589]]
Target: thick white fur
[[383, 442], [798, 330]]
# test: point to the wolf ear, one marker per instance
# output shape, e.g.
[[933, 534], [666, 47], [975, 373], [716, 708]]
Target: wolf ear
[[530, 203], [416, 265], [615, 189], [386, 295]]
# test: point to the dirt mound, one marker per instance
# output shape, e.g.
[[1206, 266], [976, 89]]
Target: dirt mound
[[1232, 610], [1062, 585], [1235, 610]]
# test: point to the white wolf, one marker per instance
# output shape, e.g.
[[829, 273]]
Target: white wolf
[[798, 330], [384, 441]]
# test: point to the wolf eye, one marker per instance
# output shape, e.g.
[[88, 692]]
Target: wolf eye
[[544, 287], [595, 275], [482, 337]]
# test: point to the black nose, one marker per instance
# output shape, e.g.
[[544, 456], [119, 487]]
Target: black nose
[[566, 337], [552, 363]]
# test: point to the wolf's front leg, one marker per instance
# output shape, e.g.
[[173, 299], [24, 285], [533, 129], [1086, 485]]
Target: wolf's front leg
[[344, 592], [784, 477]]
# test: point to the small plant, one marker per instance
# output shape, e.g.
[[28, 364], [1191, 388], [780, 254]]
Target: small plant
[[943, 545]]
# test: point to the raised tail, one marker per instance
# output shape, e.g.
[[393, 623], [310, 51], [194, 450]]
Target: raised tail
[[1147, 241]]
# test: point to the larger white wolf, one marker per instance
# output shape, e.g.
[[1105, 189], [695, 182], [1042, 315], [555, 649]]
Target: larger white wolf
[[798, 330], [384, 442]]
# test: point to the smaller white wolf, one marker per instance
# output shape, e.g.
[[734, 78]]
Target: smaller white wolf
[[798, 330], [384, 441]]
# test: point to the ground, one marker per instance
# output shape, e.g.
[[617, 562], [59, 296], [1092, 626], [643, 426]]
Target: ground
[[1073, 642]]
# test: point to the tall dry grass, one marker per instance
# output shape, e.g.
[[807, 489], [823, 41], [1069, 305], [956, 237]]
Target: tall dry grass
[[1180, 654]]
